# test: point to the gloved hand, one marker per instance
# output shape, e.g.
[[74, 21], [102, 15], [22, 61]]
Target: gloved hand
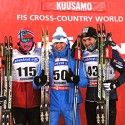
[[41, 80], [76, 79], [74, 47], [70, 77], [110, 84]]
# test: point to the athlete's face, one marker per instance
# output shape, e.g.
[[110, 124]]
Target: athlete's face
[[59, 46], [88, 42], [26, 46]]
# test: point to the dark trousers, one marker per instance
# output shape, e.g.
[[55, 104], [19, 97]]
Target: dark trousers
[[23, 116], [90, 108]]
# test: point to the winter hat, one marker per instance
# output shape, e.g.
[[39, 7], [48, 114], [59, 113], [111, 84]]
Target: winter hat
[[25, 35], [26, 42], [59, 36], [89, 32]]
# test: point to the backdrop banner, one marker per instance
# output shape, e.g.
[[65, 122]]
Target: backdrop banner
[[72, 15]]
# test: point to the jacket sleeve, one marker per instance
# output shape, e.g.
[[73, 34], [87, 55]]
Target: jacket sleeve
[[83, 77], [39, 71], [119, 65]]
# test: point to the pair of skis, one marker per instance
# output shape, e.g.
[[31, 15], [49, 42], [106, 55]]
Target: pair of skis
[[6, 80], [105, 54], [45, 66]]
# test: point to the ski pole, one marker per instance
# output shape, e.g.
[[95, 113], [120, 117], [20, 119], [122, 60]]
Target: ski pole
[[78, 57]]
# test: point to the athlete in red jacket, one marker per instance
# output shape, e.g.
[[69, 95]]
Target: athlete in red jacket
[[25, 99]]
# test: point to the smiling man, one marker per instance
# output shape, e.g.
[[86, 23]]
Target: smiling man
[[63, 79]]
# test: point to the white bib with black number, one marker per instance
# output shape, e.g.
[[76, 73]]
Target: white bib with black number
[[91, 64], [24, 66], [59, 73]]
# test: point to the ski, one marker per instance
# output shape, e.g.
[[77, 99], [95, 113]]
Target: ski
[[1, 80], [7, 84], [105, 44], [1, 74], [103, 96], [45, 66]]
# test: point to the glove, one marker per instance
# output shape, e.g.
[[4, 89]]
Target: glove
[[76, 79], [70, 77], [41, 80], [74, 47], [111, 84]]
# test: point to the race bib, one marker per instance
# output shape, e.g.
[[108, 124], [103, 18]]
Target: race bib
[[59, 73]]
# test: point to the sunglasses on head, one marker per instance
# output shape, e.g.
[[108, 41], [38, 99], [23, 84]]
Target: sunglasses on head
[[26, 40]]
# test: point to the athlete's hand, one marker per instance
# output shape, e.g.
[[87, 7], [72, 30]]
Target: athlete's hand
[[110, 84], [41, 80], [76, 79], [74, 47], [70, 77]]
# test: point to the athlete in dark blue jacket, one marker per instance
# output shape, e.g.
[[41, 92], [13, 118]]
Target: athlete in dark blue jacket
[[90, 59]]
